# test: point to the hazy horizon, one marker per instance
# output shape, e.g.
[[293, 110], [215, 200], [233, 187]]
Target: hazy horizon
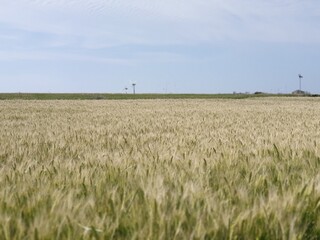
[[194, 46]]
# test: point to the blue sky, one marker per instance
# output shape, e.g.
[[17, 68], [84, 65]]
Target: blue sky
[[174, 46]]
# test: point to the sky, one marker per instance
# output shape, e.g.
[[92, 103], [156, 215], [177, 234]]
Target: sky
[[164, 46]]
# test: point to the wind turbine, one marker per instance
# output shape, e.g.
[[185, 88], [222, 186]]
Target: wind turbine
[[300, 77], [126, 90], [134, 87]]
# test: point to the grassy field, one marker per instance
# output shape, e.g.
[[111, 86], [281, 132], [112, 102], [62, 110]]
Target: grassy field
[[160, 169], [108, 96]]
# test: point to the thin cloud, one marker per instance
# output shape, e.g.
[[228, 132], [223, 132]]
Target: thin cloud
[[115, 22], [6, 56]]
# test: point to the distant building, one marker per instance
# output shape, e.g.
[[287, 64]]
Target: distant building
[[300, 92]]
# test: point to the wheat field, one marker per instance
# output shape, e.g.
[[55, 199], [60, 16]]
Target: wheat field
[[160, 169]]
